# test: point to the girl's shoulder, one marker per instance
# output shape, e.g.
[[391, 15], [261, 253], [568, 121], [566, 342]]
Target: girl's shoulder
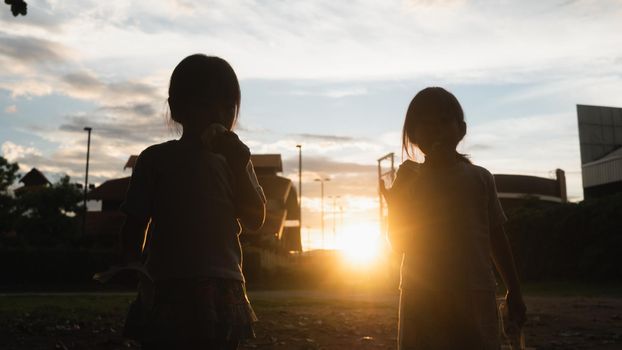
[[407, 172], [408, 168], [482, 176], [479, 170], [159, 149]]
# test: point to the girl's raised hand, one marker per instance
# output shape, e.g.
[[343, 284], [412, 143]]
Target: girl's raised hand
[[233, 149]]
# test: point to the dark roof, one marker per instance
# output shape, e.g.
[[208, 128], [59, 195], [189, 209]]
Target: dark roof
[[114, 189], [131, 161], [275, 187], [527, 185], [267, 163], [34, 178]]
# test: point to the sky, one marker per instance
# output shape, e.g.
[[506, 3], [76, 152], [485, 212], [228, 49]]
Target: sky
[[333, 76]]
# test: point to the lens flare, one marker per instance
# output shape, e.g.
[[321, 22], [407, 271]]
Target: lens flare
[[360, 245]]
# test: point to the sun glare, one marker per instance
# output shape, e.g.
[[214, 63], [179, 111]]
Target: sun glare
[[360, 245]]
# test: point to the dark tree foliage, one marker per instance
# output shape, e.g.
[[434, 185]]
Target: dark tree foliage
[[48, 214], [18, 7], [8, 174]]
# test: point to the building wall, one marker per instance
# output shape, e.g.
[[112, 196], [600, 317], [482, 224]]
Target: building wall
[[600, 131], [600, 138]]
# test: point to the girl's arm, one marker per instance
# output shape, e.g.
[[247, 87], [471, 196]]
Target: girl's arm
[[248, 196], [504, 261], [131, 239], [400, 224], [250, 202], [137, 207]]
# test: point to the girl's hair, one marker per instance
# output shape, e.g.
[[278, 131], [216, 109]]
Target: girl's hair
[[204, 87], [433, 102]]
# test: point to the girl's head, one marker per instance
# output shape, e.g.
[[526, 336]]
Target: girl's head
[[204, 90], [434, 123]]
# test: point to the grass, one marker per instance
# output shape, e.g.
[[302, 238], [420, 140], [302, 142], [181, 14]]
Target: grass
[[115, 303]]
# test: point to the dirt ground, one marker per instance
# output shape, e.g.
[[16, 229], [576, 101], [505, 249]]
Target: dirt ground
[[297, 320]]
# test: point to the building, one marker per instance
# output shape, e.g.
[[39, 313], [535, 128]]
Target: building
[[282, 209], [281, 228], [600, 139], [32, 180], [515, 191]]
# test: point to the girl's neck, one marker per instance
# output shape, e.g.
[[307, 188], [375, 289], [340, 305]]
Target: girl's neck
[[442, 159], [191, 134]]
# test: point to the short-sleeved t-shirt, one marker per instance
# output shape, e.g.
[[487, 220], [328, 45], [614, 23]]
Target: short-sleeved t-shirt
[[451, 213], [186, 192]]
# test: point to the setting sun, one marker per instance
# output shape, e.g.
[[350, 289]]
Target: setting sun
[[360, 244]]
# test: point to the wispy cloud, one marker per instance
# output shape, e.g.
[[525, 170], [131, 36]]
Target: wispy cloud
[[334, 138]]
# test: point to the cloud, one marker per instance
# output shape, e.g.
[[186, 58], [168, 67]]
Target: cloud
[[530, 145], [42, 16], [333, 138], [141, 109], [129, 124], [87, 85], [328, 166], [333, 92], [32, 50], [14, 152], [11, 109]]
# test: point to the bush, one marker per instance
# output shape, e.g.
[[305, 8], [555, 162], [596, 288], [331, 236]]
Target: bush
[[569, 241], [52, 266]]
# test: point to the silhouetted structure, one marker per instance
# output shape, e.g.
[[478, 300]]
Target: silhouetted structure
[[32, 180], [515, 190], [600, 138], [282, 210]]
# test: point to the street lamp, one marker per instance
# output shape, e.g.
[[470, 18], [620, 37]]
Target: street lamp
[[322, 180], [300, 186], [86, 177]]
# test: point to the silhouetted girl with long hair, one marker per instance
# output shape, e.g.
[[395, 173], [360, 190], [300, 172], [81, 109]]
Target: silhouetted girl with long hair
[[190, 195], [446, 219]]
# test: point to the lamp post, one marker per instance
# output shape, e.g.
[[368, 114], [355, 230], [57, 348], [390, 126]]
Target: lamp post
[[322, 180], [300, 186], [86, 177]]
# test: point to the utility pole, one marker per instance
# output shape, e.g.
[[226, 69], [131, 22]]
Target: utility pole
[[300, 186], [322, 180], [86, 177]]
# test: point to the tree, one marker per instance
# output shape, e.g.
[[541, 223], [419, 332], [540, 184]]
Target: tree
[[48, 214], [18, 7], [8, 174]]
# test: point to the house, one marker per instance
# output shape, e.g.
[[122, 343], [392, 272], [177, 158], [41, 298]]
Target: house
[[32, 180], [282, 208]]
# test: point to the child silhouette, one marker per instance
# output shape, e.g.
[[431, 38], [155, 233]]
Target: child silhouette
[[190, 196], [446, 219]]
